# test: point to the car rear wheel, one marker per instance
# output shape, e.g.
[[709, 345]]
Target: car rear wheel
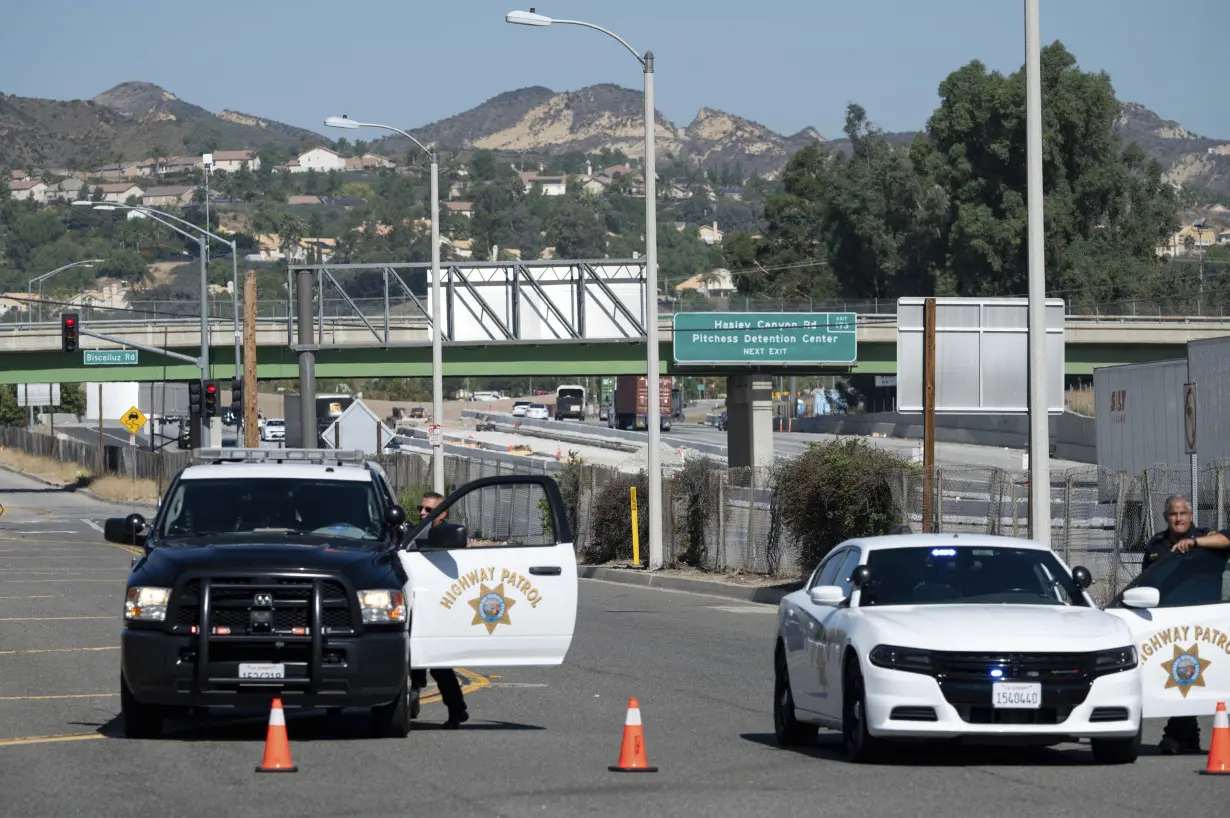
[[789, 731], [140, 720], [857, 742], [392, 720], [1116, 750]]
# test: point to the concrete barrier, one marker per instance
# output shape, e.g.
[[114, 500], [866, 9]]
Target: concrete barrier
[[556, 429], [1072, 435]]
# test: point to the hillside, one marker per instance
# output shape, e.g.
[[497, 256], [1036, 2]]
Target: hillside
[[539, 120], [127, 122]]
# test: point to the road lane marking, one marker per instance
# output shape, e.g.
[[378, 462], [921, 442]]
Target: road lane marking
[[37, 596], [55, 650], [93, 525], [129, 548], [49, 618], [742, 609], [12, 742]]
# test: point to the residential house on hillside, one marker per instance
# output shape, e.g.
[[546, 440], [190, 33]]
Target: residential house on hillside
[[464, 208], [120, 192], [1223, 237], [551, 185], [302, 200], [367, 161], [321, 160], [231, 161], [594, 185], [710, 234], [169, 195], [714, 284], [1186, 239], [29, 190], [68, 190], [18, 175], [183, 164]]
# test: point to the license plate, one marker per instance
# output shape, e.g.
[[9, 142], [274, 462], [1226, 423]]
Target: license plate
[[1019, 695], [262, 671]]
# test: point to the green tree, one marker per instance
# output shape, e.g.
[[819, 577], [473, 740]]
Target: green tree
[[577, 231], [72, 399]]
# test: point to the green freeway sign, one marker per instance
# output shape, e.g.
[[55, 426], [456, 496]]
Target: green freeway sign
[[765, 338], [110, 357]]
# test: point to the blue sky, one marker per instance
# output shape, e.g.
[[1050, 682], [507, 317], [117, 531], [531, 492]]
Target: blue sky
[[784, 64]]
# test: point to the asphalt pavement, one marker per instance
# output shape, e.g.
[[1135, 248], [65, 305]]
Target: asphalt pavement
[[539, 741]]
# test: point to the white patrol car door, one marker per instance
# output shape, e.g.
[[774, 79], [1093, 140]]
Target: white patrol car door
[[504, 593], [1184, 643]]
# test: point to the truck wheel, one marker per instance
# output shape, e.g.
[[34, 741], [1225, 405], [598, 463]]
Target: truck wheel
[[392, 720], [140, 720]]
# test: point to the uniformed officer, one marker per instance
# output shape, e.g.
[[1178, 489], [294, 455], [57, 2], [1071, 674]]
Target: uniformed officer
[[445, 678], [1182, 733]]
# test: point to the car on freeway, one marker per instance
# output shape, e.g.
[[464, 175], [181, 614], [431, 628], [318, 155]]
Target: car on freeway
[[1178, 611], [964, 637], [294, 573], [519, 408], [538, 411]]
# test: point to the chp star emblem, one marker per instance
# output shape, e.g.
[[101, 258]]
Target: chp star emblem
[[1185, 670], [491, 607]]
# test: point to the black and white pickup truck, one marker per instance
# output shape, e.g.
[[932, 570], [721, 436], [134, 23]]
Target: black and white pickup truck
[[294, 573]]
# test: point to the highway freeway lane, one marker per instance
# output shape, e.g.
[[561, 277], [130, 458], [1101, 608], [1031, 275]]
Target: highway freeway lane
[[539, 740]]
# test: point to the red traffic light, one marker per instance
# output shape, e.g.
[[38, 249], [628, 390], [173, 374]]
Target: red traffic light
[[68, 322], [211, 388]]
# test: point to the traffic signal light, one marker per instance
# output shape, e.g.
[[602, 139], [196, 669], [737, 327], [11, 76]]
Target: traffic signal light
[[211, 398], [196, 399], [68, 332], [237, 399]]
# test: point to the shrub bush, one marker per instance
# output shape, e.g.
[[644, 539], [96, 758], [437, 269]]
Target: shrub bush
[[696, 499], [610, 535], [834, 491]]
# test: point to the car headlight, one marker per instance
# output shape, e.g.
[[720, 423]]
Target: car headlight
[[382, 606], [146, 604], [1113, 661], [892, 657]]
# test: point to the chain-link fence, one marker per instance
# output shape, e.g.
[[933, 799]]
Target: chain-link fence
[[730, 520]]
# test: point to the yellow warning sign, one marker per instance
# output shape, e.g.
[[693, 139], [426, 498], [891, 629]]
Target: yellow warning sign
[[133, 420]]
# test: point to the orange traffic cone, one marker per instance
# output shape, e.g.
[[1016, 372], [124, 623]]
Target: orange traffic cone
[[632, 758], [277, 747], [1219, 750]]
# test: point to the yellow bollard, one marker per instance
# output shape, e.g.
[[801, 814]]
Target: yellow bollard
[[636, 532]]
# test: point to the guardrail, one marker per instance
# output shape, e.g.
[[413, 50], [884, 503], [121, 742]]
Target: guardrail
[[352, 322]]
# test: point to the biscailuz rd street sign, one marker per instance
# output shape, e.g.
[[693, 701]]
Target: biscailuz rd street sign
[[783, 338], [110, 357]]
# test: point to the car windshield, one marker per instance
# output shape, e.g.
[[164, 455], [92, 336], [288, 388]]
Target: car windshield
[[1199, 577], [339, 510], [968, 575]]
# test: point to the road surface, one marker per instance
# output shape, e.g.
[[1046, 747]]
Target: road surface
[[539, 741]]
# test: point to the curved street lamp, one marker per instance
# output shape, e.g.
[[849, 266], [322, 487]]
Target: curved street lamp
[[437, 352], [40, 279], [653, 351]]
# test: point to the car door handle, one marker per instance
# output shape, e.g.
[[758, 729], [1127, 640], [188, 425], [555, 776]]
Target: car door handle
[[545, 570]]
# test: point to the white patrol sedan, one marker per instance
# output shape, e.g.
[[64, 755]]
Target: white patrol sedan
[[1178, 610], [946, 636]]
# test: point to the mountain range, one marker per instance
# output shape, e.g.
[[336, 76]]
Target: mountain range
[[136, 119]]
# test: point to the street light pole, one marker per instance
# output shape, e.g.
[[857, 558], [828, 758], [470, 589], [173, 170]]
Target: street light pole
[[653, 409], [1039, 429], [40, 279], [437, 328], [202, 238]]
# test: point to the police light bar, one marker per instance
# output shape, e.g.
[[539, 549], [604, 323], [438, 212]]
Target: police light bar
[[239, 455]]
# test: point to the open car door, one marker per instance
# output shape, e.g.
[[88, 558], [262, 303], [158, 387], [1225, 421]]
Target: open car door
[[1184, 640], [492, 577]]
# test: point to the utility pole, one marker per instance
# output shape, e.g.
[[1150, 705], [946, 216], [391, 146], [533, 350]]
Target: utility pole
[[251, 426], [929, 417], [307, 361]]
